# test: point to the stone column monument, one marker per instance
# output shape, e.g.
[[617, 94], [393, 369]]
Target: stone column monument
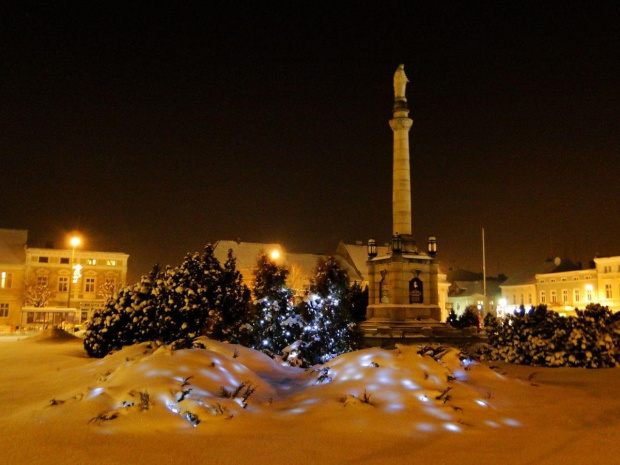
[[400, 124], [404, 283]]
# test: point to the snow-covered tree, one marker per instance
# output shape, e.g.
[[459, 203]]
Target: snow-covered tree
[[330, 329], [198, 297], [278, 323], [236, 320]]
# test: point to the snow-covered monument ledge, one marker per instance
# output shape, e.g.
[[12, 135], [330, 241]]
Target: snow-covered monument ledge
[[404, 299]]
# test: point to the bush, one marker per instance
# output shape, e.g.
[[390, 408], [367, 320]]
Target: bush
[[468, 319], [198, 297], [540, 337]]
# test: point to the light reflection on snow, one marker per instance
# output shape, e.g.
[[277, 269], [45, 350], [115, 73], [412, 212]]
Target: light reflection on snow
[[482, 402], [409, 384], [492, 423], [297, 410], [438, 413], [452, 427], [394, 407], [427, 427], [423, 398], [511, 422], [95, 392], [173, 407]]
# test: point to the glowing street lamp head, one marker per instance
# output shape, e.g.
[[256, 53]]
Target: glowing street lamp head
[[274, 254], [75, 241]]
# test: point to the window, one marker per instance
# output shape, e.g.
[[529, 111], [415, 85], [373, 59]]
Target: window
[[575, 278], [589, 295], [4, 310], [607, 269], [576, 296], [552, 280], [553, 296], [608, 293], [522, 302], [541, 281], [564, 295], [91, 261], [64, 260], [543, 297], [89, 285], [6, 280], [529, 299], [44, 259], [41, 280], [514, 299], [111, 262], [63, 283]]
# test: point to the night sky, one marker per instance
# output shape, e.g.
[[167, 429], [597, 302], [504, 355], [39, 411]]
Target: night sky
[[156, 130]]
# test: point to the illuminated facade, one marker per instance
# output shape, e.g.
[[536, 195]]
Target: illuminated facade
[[35, 282], [563, 290]]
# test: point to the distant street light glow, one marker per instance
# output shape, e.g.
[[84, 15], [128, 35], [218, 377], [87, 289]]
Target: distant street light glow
[[275, 254]]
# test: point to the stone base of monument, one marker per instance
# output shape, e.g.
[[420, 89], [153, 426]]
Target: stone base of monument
[[388, 325]]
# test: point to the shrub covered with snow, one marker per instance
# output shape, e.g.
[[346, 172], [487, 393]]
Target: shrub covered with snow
[[590, 339], [199, 297], [467, 319]]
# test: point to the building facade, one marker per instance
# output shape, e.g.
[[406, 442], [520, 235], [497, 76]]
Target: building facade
[[565, 287], [45, 286]]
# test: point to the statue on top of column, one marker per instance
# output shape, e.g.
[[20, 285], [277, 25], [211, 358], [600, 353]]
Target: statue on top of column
[[400, 82]]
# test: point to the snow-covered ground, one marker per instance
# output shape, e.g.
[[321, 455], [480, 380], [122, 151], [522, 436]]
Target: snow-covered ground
[[226, 404]]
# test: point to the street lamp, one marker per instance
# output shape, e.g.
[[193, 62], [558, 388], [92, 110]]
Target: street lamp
[[397, 243], [372, 248], [75, 241]]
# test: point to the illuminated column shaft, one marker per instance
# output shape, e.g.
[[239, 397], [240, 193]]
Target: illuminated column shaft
[[401, 188]]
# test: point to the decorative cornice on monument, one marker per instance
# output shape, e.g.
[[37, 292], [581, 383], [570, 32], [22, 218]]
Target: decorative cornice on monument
[[398, 124]]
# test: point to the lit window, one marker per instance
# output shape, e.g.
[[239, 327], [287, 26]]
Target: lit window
[[6, 280], [63, 283], [4, 310], [64, 260], [41, 280], [91, 261], [44, 259], [89, 285], [589, 295], [111, 262]]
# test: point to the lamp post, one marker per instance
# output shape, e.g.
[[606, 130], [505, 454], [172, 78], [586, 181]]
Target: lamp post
[[397, 243], [372, 248], [75, 241]]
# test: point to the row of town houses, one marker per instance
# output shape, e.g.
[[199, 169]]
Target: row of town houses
[[48, 286]]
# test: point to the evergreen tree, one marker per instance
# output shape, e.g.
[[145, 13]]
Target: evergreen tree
[[330, 330], [278, 323], [358, 301], [236, 318]]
